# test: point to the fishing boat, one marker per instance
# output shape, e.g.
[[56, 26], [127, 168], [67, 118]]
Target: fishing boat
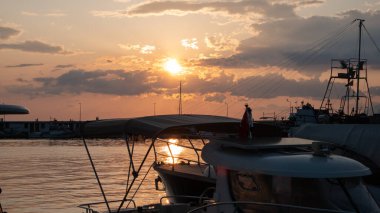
[[353, 126], [355, 105]]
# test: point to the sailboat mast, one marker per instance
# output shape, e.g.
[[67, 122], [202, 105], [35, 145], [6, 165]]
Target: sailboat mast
[[358, 66]]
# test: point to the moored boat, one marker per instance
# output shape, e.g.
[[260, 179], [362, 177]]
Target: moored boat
[[286, 175], [274, 174]]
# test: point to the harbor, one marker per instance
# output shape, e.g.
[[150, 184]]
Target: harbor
[[40, 129], [158, 106], [55, 176]]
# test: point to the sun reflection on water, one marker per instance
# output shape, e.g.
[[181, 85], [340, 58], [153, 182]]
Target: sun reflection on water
[[173, 152]]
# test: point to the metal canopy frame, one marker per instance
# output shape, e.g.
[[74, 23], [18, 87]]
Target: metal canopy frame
[[156, 128]]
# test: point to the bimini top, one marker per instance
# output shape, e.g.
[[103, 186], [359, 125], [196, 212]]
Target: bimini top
[[362, 139], [267, 159], [6, 109], [161, 125]]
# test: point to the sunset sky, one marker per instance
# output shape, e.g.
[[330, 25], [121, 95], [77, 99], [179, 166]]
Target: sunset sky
[[108, 56]]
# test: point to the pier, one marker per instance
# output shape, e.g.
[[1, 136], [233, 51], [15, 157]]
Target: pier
[[40, 129]]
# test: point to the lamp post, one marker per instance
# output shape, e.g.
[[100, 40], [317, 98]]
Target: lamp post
[[180, 98], [172, 66], [227, 108], [290, 106], [80, 111]]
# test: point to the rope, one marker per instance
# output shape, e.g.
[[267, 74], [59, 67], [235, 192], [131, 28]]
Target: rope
[[133, 196]]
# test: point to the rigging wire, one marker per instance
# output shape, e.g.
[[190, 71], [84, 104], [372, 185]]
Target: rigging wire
[[309, 58], [139, 186], [371, 38], [315, 50], [316, 47]]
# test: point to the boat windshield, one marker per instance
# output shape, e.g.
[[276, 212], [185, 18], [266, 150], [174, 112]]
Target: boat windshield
[[347, 194]]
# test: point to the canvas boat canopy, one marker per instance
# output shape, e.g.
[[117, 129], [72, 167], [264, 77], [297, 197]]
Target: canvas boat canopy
[[362, 139], [161, 125], [275, 162], [6, 109], [264, 143]]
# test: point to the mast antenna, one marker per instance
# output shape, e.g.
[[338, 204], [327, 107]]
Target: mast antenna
[[358, 65]]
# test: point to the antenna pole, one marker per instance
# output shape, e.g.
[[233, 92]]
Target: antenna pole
[[358, 66]]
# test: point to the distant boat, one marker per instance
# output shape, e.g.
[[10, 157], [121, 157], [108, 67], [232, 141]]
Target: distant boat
[[355, 105], [354, 126]]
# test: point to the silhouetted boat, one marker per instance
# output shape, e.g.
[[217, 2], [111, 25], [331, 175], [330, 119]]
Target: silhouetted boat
[[192, 184]]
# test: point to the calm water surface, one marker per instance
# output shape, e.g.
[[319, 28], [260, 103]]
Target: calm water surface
[[56, 175]]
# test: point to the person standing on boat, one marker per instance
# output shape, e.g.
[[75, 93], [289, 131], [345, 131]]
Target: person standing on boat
[[246, 124]]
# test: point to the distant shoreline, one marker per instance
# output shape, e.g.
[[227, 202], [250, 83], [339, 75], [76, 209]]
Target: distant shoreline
[[41, 129]]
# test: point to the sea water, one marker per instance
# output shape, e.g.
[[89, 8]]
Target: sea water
[[56, 175]]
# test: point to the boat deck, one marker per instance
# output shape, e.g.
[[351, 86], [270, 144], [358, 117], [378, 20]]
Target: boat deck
[[194, 170]]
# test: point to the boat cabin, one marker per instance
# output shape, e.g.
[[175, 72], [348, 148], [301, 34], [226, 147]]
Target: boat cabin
[[286, 175]]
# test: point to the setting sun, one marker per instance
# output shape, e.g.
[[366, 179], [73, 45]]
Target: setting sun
[[171, 65], [174, 151]]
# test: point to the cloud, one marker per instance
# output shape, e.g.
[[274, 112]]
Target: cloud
[[274, 85], [130, 47], [49, 14], [21, 80], [145, 49], [304, 44], [7, 32], [134, 83], [35, 46], [23, 65], [115, 82], [190, 43], [219, 42], [215, 97], [376, 108], [210, 83], [226, 8], [375, 91], [63, 66], [307, 3]]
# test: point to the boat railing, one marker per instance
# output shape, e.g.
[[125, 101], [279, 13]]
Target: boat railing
[[89, 207], [1, 208], [199, 199], [261, 206], [188, 161], [192, 153]]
